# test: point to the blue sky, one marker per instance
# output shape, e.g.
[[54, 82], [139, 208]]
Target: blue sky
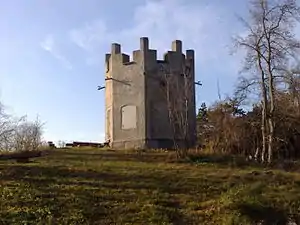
[[52, 53]]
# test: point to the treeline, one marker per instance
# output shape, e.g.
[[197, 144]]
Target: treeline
[[226, 127], [270, 127]]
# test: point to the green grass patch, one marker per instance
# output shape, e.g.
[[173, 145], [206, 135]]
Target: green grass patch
[[117, 187]]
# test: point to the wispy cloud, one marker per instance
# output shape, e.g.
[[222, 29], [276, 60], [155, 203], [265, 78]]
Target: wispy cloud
[[205, 28], [49, 45], [90, 36]]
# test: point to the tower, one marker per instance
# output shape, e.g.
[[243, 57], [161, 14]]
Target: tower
[[150, 103]]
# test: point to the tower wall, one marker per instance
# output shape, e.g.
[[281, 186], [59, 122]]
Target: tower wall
[[163, 76], [137, 109], [125, 105]]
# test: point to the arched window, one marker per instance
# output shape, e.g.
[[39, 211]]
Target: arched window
[[128, 117]]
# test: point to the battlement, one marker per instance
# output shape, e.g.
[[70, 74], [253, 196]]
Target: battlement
[[137, 110], [145, 53]]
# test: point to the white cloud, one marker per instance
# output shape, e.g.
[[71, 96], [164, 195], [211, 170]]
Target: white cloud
[[49, 45], [90, 36], [205, 28]]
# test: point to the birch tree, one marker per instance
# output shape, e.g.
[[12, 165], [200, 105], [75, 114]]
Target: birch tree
[[270, 47]]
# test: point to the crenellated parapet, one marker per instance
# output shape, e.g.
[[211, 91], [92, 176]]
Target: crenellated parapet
[[138, 100], [145, 55]]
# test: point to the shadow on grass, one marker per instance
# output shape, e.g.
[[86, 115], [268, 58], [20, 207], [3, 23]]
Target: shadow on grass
[[99, 195], [135, 195], [265, 215], [113, 155], [170, 182], [253, 204], [237, 161]]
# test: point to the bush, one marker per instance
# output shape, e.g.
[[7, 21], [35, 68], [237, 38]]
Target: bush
[[19, 134]]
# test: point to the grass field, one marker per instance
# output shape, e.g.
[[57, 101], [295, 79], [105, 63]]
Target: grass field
[[106, 187]]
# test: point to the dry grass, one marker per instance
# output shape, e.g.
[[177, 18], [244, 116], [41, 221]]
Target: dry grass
[[118, 187]]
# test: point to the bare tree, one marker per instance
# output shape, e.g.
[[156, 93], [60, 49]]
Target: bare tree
[[8, 126], [178, 89], [28, 135], [61, 144], [6, 129], [19, 134], [270, 45]]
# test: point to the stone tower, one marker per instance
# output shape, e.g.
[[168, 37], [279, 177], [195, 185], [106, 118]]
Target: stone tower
[[147, 99]]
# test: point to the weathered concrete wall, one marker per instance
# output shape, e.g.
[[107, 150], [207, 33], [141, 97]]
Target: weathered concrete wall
[[125, 98], [163, 77], [190, 62], [137, 114]]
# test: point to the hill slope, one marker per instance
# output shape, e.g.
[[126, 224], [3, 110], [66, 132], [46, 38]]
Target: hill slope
[[101, 187]]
